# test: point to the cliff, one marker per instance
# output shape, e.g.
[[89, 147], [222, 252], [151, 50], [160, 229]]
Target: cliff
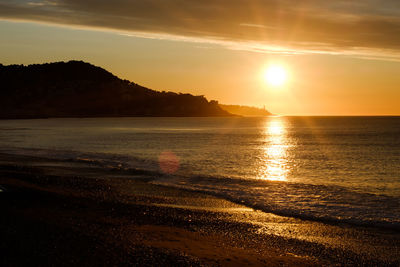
[[246, 111], [79, 89]]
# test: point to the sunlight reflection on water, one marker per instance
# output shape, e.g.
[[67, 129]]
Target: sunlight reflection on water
[[274, 165]]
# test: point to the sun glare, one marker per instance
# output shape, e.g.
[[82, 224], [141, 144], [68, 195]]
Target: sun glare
[[274, 164], [275, 75]]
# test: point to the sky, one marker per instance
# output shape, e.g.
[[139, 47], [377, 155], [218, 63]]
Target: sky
[[340, 57]]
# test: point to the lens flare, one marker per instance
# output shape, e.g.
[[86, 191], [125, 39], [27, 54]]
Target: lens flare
[[168, 162]]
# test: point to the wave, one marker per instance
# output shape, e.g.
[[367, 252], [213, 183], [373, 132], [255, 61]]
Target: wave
[[103, 160], [326, 203]]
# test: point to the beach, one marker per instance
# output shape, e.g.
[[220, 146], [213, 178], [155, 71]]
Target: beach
[[73, 213]]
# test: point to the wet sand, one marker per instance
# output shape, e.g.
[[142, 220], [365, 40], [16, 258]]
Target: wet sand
[[74, 213]]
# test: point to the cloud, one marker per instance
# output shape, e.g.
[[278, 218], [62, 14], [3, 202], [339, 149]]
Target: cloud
[[351, 27]]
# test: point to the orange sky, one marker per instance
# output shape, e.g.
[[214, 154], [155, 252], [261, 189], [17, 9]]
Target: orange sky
[[341, 57]]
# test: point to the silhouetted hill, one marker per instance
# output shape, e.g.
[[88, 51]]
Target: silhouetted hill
[[79, 89], [245, 110]]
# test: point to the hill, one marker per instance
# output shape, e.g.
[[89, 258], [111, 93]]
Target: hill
[[245, 110], [79, 89]]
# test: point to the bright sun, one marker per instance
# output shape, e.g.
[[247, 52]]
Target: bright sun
[[275, 75]]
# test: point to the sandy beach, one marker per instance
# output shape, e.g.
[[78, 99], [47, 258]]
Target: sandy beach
[[73, 213]]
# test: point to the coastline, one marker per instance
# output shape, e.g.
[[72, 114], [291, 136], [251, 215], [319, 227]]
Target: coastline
[[68, 213]]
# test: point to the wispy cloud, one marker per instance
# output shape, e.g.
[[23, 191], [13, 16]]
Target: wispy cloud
[[369, 28]]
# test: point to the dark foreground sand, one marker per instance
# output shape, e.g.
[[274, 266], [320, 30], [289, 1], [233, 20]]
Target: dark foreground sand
[[70, 213]]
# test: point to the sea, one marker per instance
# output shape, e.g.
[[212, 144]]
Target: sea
[[330, 169]]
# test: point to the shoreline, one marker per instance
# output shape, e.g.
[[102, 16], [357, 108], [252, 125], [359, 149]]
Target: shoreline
[[72, 212]]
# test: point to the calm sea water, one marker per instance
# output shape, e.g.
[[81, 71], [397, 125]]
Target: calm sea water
[[326, 168]]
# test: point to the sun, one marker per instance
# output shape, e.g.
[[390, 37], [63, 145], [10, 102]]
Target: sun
[[275, 75]]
